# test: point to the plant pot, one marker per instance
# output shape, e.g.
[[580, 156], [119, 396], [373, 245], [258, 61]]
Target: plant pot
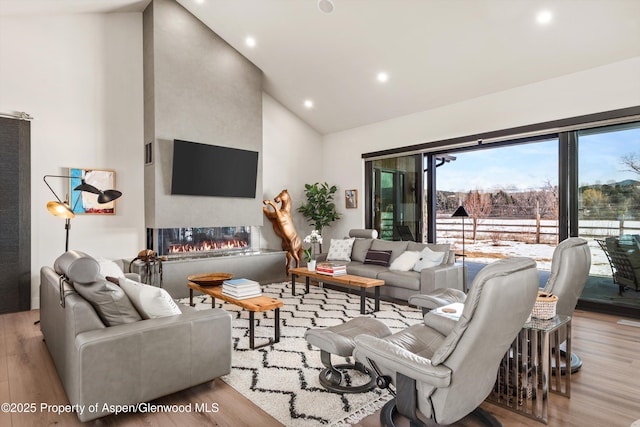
[[311, 265]]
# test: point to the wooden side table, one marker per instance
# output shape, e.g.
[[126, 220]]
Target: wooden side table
[[252, 305]]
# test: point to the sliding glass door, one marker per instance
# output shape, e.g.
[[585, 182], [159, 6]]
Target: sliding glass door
[[609, 212], [396, 205], [523, 196], [510, 193]]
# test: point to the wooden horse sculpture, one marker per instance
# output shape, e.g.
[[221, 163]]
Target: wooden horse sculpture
[[283, 226]]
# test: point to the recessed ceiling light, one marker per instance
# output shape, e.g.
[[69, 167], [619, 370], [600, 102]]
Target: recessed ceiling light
[[199, 1], [382, 77], [325, 6], [308, 103], [544, 17], [250, 41]]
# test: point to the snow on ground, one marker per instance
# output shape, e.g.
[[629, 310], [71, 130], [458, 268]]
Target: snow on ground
[[487, 251]]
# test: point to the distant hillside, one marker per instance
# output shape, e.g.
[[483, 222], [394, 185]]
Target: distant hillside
[[624, 183]]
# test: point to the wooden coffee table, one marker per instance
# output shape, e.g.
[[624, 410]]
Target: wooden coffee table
[[252, 305], [348, 279]]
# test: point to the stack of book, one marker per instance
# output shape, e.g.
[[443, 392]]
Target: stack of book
[[331, 269], [241, 288]]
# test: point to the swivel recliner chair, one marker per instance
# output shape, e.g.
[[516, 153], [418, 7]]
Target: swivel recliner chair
[[570, 266], [443, 369]]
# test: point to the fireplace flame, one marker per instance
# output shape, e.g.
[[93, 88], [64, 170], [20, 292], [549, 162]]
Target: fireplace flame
[[208, 246]]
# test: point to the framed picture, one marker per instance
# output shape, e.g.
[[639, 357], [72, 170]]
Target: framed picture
[[83, 202], [351, 199]]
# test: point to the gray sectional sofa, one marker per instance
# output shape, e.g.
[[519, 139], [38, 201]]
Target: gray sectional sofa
[[402, 284], [128, 363]]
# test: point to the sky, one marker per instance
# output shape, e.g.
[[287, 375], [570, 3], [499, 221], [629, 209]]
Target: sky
[[531, 166]]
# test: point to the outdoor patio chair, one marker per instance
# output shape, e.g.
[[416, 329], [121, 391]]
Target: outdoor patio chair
[[623, 253]]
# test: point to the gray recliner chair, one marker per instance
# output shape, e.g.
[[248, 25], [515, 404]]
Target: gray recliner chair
[[570, 266], [443, 369]]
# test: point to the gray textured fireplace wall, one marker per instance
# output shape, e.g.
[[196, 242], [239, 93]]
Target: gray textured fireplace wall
[[196, 88]]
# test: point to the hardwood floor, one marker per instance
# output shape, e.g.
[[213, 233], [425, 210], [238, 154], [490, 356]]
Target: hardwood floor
[[606, 392]]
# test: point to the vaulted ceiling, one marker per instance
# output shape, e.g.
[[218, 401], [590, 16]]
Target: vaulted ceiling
[[434, 52]]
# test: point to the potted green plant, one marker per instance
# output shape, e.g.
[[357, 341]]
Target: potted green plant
[[320, 210]]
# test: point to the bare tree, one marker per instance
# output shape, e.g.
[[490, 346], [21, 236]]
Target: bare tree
[[478, 206], [632, 161], [548, 198]]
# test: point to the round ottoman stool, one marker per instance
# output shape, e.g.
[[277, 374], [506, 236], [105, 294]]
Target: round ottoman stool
[[339, 340]]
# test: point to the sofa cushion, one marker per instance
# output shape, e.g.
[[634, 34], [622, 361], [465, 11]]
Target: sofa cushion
[[340, 250], [77, 266], [405, 261], [380, 258], [428, 259], [360, 248], [364, 233], [365, 270], [396, 248], [401, 279], [150, 301], [109, 301]]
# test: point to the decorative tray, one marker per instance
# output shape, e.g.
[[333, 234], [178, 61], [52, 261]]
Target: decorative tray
[[209, 279]]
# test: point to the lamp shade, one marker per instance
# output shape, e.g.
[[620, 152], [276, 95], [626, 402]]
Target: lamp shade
[[460, 212], [87, 187], [107, 196], [60, 210]]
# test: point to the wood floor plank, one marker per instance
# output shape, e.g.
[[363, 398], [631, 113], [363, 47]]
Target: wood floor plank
[[3, 352], [30, 370], [5, 397], [604, 392], [33, 378]]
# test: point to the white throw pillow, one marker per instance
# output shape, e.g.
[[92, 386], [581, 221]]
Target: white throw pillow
[[340, 250], [109, 268], [405, 261], [428, 259], [150, 301]]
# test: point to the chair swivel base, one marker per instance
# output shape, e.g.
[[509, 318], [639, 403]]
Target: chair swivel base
[[333, 379], [575, 363], [339, 340], [389, 410]]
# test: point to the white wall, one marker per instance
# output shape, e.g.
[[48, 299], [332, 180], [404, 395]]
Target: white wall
[[80, 77], [292, 153], [596, 90]]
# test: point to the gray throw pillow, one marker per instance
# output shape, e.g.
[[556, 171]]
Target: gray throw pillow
[[110, 302]]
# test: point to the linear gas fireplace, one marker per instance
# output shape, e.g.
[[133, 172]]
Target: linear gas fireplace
[[190, 242]]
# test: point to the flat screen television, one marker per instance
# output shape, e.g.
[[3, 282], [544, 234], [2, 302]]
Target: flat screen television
[[211, 170]]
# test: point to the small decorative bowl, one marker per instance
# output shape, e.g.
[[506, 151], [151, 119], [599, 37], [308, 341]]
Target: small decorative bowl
[[209, 279]]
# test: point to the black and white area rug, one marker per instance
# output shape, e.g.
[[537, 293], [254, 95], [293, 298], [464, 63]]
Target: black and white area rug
[[282, 379]]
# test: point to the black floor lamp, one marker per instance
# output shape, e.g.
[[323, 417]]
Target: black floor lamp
[[64, 210], [461, 212]]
